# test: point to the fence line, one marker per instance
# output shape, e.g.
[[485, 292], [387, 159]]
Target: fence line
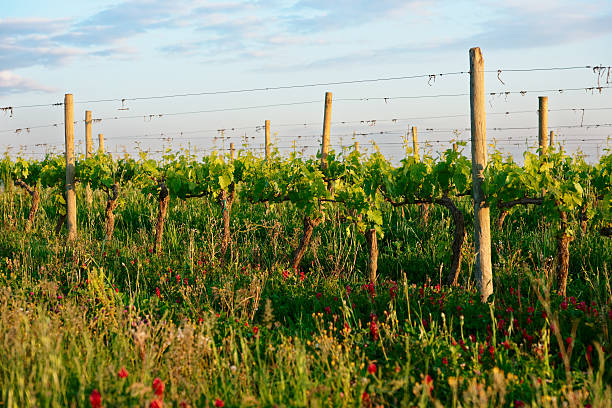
[[598, 70]]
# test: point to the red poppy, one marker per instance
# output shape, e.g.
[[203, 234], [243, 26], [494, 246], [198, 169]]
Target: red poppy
[[95, 399], [158, 387], [429, 382], [122, 373], [365, 398], [219, 403], [372, 368], [156, 404]]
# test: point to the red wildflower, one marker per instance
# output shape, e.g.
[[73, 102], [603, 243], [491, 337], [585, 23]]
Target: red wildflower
[[429, 382], [492, 351], [373, 329], [444, 361], [302, 277], [122, 373], [219, 403], [319, 295], [158, 387], [156, 404], [518, 404], [255, 330], [372, 368], [365, 398], [157, 292], [95, 399], [563, 304]]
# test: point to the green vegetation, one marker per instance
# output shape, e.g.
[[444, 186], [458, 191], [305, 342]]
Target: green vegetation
[[379, 310]]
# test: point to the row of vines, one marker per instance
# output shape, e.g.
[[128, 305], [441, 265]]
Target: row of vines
[[570, 191]]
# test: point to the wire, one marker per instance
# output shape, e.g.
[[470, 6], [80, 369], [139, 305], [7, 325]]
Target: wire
[[430, 77]]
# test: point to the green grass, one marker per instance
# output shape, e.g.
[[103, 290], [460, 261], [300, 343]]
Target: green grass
[[251, 333]]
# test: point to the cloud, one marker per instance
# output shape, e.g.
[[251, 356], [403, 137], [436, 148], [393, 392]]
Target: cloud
[[226, 31], [521, 24], [120, 22], [21, 55], [518, 24], [13, 83], [11, 27]]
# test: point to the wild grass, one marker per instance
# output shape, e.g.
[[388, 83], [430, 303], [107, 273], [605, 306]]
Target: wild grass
[[252, 333]]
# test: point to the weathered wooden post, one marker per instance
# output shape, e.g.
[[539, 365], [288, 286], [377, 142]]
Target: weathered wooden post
[[309, 223], [88, 153], [100, 142], [88, 141], [70, 167], [543, 124], [232, 151], [551, 139], [268, 152], [482, 224], [326, 129], [415, 144]]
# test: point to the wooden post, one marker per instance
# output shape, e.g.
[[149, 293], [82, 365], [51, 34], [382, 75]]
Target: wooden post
[[70, 167], [551, 139], [268, 139], [356, 147], [482, 223], [88, 154], [543, 124], [326, 129], [88, 141], [455, 147], [232, 151], [100, 142], [415, 144]]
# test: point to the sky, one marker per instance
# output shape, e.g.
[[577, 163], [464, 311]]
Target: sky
[[103, 49]]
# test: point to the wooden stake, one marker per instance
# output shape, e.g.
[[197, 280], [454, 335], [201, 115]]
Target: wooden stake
[[232, 151], [326, 129], [100, 142], [455, 147], [551, 139], [356, 147], [268, 139], [543, 124], [88, 153], [482, 223], [70, 167], [88, 141], [415, 144]]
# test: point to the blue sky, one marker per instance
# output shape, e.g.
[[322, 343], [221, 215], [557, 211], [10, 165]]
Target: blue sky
[[121, 49]]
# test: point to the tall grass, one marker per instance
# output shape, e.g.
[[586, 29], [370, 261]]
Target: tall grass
[[252, 333]]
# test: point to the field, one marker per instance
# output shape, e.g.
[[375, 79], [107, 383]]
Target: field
[[201, 317]]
